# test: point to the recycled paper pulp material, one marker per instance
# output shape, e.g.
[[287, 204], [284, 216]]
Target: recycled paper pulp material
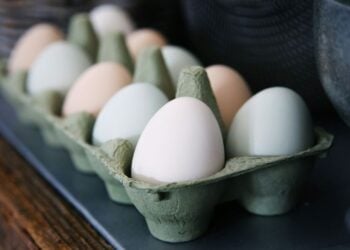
[[82, 34]]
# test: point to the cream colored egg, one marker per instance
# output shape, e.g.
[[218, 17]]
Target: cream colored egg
[[95, 87], [230, 89], [127, 112], [181, 142], [143, 38], [109, 18], [31, 44], [57, 68], [275, 121]]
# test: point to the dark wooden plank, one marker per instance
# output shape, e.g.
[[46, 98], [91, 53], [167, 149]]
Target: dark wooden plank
[[33, 215]]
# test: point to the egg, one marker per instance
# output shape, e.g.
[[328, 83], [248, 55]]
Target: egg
[[176, 59], [230, 90], [57, 68], [275, 121], [31, 44], [181, 142], [108, 18], [95, 87], [143, 38], [126, 114]]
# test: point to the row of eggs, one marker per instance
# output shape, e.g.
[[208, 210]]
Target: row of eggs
[[103, 19], [175, 140]]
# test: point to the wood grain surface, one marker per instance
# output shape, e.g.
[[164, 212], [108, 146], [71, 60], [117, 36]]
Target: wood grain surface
[[33, 215]]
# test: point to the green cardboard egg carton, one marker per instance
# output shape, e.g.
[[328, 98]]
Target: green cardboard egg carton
[[174, 212]]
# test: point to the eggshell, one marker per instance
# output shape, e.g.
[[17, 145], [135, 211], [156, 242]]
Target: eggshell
[[31, 44], [95, 87], [126, 114], [181, 142], [230, 90], [275, 121], [143, 38], [108, 18], [57, 68], [176, 59]]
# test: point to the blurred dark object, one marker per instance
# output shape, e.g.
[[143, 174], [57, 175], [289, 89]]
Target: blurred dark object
[[164, 16], [18, 15], [332, 28], [270, 42]]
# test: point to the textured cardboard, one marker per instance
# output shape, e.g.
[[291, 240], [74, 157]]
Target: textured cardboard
[[75, 131], [114, 154], [151, 68], [82, 34], [113, 48]]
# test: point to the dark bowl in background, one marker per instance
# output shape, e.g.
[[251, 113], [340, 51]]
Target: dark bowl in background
[[332, 33], [164, 16], [269, 41]]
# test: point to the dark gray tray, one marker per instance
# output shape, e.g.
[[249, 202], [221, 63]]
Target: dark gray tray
[[322, 220]]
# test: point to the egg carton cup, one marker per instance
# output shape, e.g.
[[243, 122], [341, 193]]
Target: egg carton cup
[[74, 133], [11, 86]]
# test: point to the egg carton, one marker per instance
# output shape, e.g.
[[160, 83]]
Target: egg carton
[[176, 212]]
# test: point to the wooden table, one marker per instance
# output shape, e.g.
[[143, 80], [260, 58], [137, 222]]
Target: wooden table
[[33, 215]]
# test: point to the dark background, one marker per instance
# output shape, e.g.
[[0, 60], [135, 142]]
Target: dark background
[[271, 42]]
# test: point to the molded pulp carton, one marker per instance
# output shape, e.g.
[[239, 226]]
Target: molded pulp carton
[[175, 212]]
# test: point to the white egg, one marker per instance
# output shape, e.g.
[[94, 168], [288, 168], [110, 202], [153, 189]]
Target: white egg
[[57, 68], [176, 59], [181, 142], [126, 114], [108, 18], [275, 121]]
